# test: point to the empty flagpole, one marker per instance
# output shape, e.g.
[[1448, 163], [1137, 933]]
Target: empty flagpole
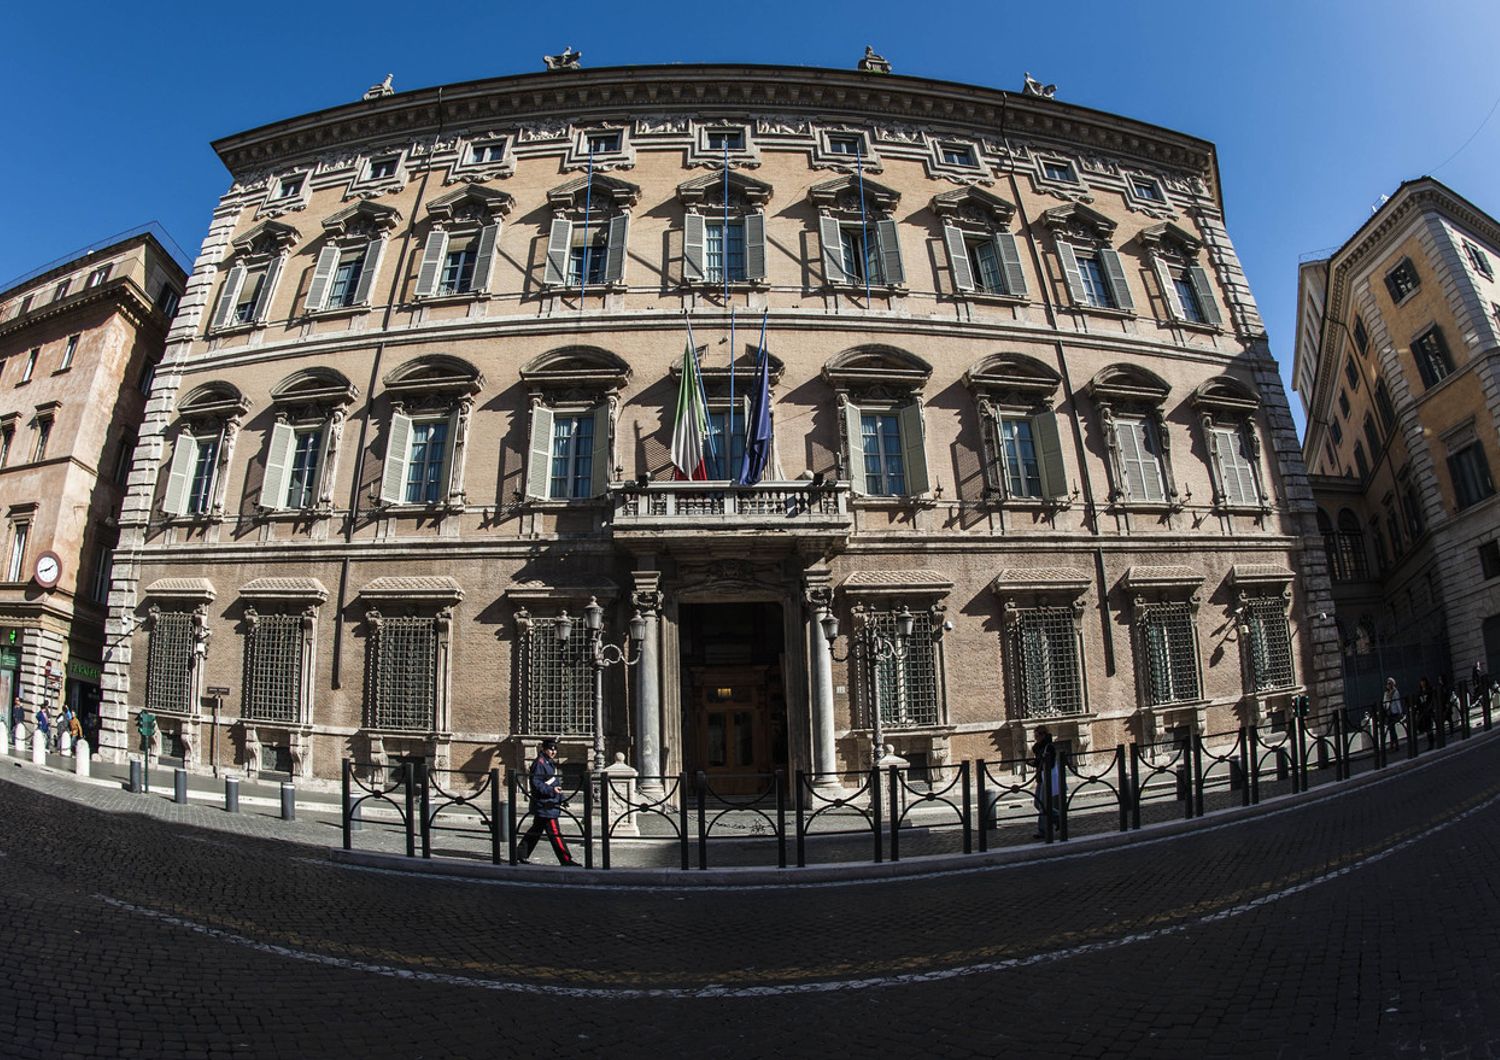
[[588, 203], [724, 271], [864, 224]]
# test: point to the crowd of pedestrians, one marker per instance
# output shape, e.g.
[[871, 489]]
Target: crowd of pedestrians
[[1426, 706]]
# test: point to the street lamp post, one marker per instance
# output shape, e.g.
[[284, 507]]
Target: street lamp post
[[878, 649], [601, 657]]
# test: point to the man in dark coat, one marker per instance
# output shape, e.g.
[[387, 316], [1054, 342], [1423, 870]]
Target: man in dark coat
[[546, 806]]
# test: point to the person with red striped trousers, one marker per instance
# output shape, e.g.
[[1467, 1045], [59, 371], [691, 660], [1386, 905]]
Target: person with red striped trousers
[[547, 801]]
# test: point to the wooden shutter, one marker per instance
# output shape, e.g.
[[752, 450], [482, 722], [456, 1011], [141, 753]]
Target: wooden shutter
[[755, 246], [1115, 273], [833, 251], [855, 430], [1070, 272], [559, 246], [614, 261], [433, 254], [267, 288], [539, 465], [322, 279], [888, 239], [368, 271], [914, 448], [1168, 290], [1237, 473], [599, 479], [1205, 291], [397, 456], [180, 474], [693, 238], [958, 258], [278, 466], [1216, 465], [228, 295], [1010, 264], [1049, 457], [1131, 437], [484, 262]]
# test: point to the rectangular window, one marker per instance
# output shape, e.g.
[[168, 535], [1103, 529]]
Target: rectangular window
[[1146, 189], [1236, 471], [1344, 404], [600, 143], [1097, 291], [43, 436], [1171, 653], [1372, 436], [249, 295], [885, 466], [572, 456], [907, 687], [1431, 353], [25, 305], [382, 168], [1412, 508], [1351, 373], [1489, 559], [404, 696], [558, 683], [61, 291], [98, 276], [1270, 643], [123, 457], [169, 652], [487, 153], [989, 273], [1384, 407], [1360, 463], [273, 669], [850, 144], [458, 265], [205, 468], [104, 564], [957, 154], [424, 468], [30, 366], [7, 436], [723, 243], [1470, 472], [726, 455], [69, 352], [1361, 337], [1187, 297], [1402, 280], [1479, 259], [345, 286], [725, 139], [1061, 171], [15, 567], [302, 482], [1044, 663], [588, 257], [1337, 431], [1140, 459], [290, 188], [1023, 471], [861, 255]]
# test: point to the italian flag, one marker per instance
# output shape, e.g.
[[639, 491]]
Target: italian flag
[[690, 430]]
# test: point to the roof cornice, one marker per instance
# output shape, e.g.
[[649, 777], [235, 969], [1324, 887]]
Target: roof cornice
[[123, 291]]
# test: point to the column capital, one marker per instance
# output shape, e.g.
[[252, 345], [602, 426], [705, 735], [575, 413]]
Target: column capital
[[817, 586]]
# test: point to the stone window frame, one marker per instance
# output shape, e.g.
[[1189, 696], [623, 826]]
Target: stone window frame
[[264, 250], [470, 212], [1478, 260], [467, 169], [1424, 361], [1263, 586], [1156, 587], [748, 199], [362, 185], [19, 521], [43, 420], [1458, 441], [301, 597], [432, 386], [1128, 389], [364, 228], [1394, 283], [1022, 591], [1169, 248], [574, 380], [312, 397], [1225, 402], [275, 203], [939, 167], [1040, 161], [1076, 228], [824, 157], [435, 598], [715, 380], [577, 156], [215, 409], [973, 214], [8, 423], [539, 604], [879, 378], [605, 209], [191, 597], [1015, 386], [837, 203], [1135, 200], [701, 154]]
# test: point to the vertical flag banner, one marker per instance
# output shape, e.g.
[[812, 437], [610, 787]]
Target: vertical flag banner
[[758, 427], [690, 429]]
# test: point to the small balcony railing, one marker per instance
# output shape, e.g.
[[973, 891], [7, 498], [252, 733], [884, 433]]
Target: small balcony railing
[[795, 507]]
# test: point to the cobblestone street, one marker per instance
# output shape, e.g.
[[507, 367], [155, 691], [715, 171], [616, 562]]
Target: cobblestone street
[[1355, 920]]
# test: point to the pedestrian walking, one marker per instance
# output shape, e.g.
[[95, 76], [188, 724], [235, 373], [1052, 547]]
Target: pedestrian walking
[[44, 726], [75, 729], [547, 801], [1393, 710], [1422, 714], [1479, 682], [1048, 777]]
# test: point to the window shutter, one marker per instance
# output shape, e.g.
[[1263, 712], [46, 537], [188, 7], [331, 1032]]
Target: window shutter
[[228, 295], [559, 244], [1010, 262], [1168, 289], [958, 258], [484, 262], [755, 246], [278, 464], [432, 263], [833, 251], [180, 474], [614, 261], [539, 466], [914, 449], [1070, 271], [887, 235], [600, 477], [267, 289], [1130, 436], [322, 279], [397, 456], [1116, 273], [1205, 291], [1237, 474], [1216, 464], [368, 271], [1049, 457], [692, 247], [854, 429]]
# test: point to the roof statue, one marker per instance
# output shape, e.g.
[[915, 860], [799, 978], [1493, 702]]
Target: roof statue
[[873, 63], [1033, 87], [382, 89], [567, 60]]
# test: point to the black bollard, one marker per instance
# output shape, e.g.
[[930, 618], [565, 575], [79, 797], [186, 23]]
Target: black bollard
[[288, 802], [231, 795], [135, 776], [179, 786]]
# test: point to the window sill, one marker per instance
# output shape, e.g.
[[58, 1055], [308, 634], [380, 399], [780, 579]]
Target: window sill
[[710, 286], [599, 500], [1104, 311], [573, 288], [891, 500], [292, 515], [1193, 325], [995, 298], [333, 312], [859, 288], [203, 519], [437, 508], [456, 298], [230, 330], [64, 370]]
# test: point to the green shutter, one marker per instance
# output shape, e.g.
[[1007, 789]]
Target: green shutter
[[1070, 272], [484, 261], [833, 251], [693, 238], [432, 263], [267, 289], [755, 246], [599, 480], [1205, 291], [914, 449], [854, 429], [888, 239], [180, 474], [368, 270], [228, 295], [278, 466], [322, 279], [559, 246], [614, 261], [397, 456], [958, 258], [1010, 262], [1049, 456], [1115, 271], [539, 465]]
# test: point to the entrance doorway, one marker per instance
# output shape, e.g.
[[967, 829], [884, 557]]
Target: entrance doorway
[[733, 661]]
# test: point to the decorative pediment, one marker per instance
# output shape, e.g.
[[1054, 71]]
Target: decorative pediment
[[709, 190], [716, 377], [1164, 577], [217, 398], [315, 386], [577, 366], [1064, 581], [606, 189], [1128, 383], [1224, 393], [1171, 238], [432, 589], [973, 204], [872, 365], [476, 204], [1075, 215], [268, 237], [843, 194], [904, 583], [1013, 373], [435, 373], [199, 590], [298, 590], [362, 218], [1259, 574]]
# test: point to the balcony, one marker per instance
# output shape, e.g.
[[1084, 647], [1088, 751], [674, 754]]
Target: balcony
[[806, 511]]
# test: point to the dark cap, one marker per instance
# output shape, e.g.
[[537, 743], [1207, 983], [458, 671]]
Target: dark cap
[[549, 744]]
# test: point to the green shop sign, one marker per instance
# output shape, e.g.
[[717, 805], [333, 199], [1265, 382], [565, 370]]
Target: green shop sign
[[10, 658]]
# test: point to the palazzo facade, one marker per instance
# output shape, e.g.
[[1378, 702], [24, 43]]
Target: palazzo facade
[[418, 405]]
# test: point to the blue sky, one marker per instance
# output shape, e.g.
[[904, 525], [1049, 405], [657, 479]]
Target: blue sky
[[1317, 107]]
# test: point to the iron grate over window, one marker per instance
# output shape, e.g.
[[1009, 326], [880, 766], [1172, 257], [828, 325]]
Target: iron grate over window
[[1171, 653], [404, 671], [559, 683], [169, 656], [907, 686], [273, 670], [1270, 643], [1044, 661]]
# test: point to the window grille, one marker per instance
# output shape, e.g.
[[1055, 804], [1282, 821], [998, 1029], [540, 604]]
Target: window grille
[[404, 671], [1044, 660], [273, 670], [559, 683], [169, 656], [908, 687], [1270, 643], [1171, 653]]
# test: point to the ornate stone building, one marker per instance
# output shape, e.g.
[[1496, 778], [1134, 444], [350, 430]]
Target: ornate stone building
[[419, 405], [78, 341], [1398, 367]]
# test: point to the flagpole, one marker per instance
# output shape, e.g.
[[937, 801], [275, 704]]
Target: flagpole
[[588, 204], [864, 224], [724, 271]]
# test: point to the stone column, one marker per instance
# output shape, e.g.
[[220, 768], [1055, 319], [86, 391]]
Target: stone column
[[646, 597], [820, 604]]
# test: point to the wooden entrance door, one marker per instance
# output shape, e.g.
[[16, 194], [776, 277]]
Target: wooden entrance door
[[730, 715]]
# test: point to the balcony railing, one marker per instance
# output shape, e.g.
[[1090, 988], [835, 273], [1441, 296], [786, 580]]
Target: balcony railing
[[795, 507]]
